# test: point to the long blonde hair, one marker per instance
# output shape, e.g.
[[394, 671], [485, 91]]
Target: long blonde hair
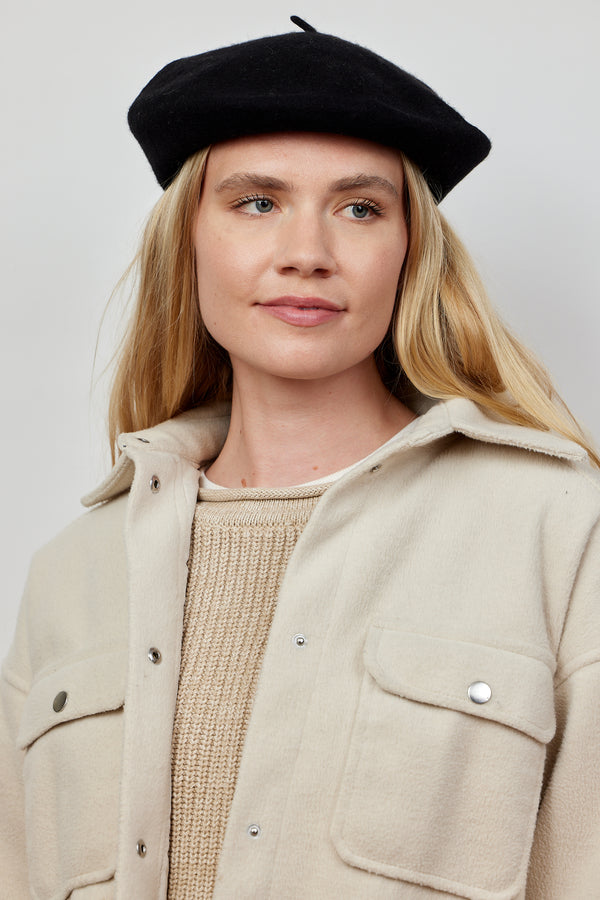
[[445, 339]]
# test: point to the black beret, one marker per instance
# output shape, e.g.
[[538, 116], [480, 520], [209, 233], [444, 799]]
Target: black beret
[[301, 81]]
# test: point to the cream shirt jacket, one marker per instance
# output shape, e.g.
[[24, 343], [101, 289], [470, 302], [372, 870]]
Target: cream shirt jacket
[[435, 736]]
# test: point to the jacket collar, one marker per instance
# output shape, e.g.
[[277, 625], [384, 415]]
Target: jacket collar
[[198, 435], [469, 419]]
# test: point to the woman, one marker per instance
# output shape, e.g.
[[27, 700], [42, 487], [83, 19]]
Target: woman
[[331, 628]]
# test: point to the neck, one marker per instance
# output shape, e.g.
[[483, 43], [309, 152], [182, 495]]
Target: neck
[[286, 431]]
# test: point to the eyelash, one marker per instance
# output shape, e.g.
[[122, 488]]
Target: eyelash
[[252, 198], [370, 205]]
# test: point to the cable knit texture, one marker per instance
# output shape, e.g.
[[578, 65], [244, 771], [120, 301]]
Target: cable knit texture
[[241, 543]]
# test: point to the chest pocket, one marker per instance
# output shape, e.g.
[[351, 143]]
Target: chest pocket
[[443, 775], [71, 731]]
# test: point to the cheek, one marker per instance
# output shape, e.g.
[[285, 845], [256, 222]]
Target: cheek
[[211, 255], [224, 284], [381, 283], [224, 265], [211, 275], [380, 278]]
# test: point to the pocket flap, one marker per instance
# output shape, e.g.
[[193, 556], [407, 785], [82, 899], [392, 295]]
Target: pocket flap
[[92, 685], [440, 671]]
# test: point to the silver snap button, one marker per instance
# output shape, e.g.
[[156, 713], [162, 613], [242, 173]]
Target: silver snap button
[[479, 692], [155, 484], [376, 468], [254, 831], [141, 848], [154, 655], [299, 640], [59, 701], [144, 440]]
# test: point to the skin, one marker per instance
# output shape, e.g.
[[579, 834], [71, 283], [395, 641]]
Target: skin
[[320, 218]]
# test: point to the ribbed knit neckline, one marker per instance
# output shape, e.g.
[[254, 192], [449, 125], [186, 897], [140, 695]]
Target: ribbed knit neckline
[[221, 494]]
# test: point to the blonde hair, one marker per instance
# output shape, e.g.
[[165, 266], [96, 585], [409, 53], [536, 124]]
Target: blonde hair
[[451, 342], [167, 361], [445, 340]]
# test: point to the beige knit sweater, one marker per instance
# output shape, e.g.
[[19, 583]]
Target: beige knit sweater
[[241, 543]]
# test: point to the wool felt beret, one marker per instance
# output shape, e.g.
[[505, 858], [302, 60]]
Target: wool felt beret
[[301, 81]]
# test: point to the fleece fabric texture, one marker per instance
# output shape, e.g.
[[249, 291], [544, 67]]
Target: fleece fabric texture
[[464, 550]]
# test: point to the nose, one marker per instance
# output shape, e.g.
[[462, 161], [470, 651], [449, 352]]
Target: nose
[[304, 246]]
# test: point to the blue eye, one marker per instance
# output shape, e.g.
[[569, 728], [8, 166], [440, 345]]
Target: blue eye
[[263, 205], [362, 209], [252, 204], [359, 211]]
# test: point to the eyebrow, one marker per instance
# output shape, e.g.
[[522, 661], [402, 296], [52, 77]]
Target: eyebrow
[[357, 182], [245, 180], [248, 180]]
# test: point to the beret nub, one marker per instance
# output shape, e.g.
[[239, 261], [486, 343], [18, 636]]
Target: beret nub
[[301, 81]]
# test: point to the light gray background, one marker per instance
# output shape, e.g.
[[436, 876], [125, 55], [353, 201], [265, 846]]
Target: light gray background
[[76, 190]]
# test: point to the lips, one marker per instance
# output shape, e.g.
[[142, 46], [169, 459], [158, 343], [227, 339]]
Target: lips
[[303, 303], [304, 312]]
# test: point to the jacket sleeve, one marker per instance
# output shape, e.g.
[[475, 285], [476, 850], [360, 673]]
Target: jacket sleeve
[[565, 860], [13, 864]]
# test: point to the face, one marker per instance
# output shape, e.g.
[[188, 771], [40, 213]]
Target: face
[[299, 240]]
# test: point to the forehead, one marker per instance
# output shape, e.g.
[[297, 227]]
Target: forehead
[[304, 153]]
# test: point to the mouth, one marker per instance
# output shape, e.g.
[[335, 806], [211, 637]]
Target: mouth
[[302, 312], [303, 303]]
